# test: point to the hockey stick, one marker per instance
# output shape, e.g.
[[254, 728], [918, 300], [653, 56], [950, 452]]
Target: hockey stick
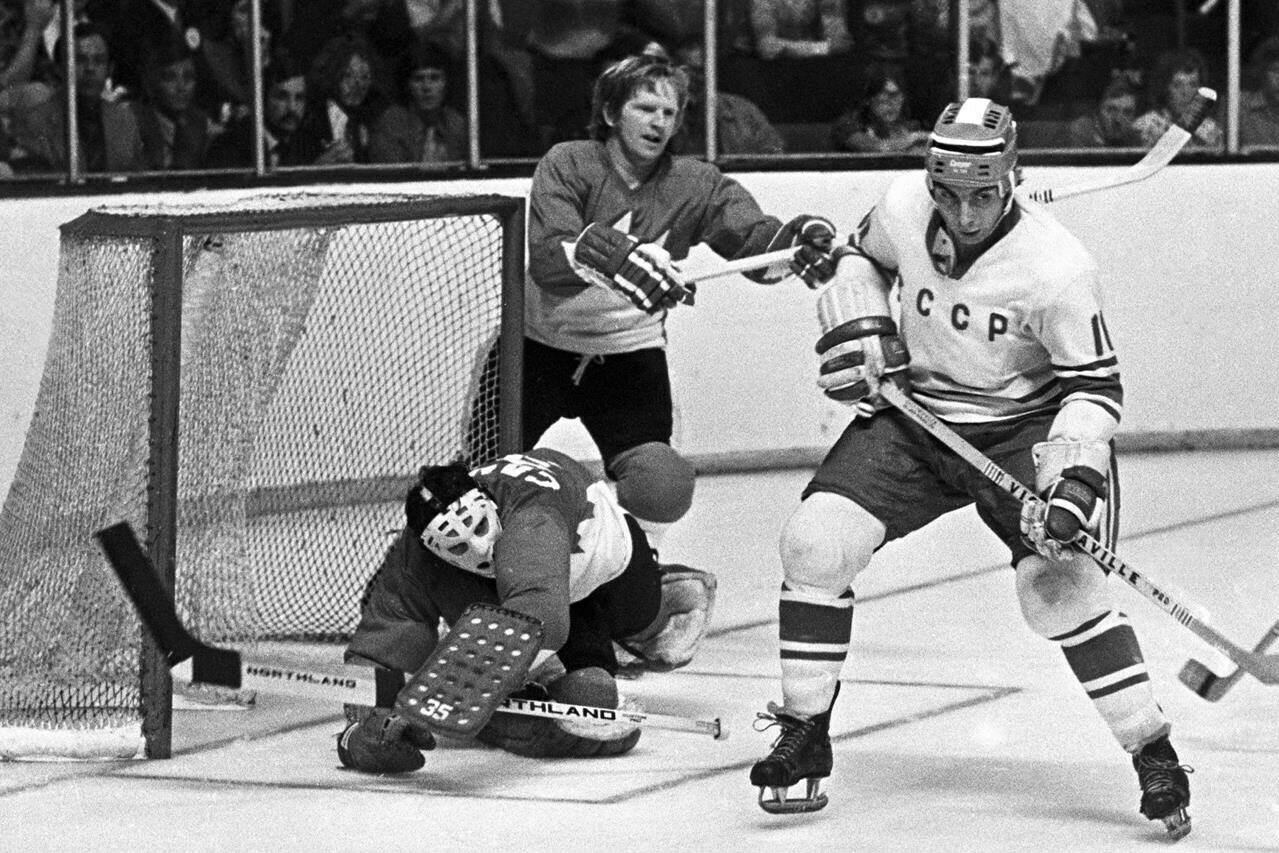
[[1168, 146], [1265, 668], [1211, 686], [754, 262], [277, 674]]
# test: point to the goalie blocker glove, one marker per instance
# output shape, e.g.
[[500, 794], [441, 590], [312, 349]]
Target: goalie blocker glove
[[641, 271], [382, 742], [1071, 480]]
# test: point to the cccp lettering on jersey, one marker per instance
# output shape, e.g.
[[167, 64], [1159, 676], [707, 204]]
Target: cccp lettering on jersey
[[961, 316]]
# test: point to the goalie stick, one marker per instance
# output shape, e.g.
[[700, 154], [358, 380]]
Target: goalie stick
[[1206, 683], [1265, 668], [277, 674], [1167, 147]]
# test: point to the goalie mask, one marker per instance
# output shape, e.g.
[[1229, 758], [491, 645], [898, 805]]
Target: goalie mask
[[454, 517], [973, 144]]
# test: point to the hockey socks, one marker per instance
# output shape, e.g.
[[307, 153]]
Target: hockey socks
[[1105, 656], [815, 631]]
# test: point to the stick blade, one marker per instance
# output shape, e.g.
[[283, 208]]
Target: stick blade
[[1203, 681], [147, 591]]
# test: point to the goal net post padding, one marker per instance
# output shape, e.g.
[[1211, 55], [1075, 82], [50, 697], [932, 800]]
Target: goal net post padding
[[252, 386]]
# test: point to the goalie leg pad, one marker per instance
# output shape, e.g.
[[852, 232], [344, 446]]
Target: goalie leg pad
[[540, 737], [688, 600], [483, 658]]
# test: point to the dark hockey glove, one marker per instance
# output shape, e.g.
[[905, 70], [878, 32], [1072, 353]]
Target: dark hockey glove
[[856, 356], [813, 238], [641, 271], [1072, 487], [383, 743]]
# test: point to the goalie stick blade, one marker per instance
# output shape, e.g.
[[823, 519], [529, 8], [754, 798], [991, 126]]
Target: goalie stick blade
[[154, 605]]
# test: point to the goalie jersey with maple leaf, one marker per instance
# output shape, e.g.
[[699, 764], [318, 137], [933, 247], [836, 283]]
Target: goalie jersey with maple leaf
[[565, 554]]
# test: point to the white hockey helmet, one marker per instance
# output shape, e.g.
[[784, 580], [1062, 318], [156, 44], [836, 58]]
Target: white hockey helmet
[[973, 144], [455, 518]]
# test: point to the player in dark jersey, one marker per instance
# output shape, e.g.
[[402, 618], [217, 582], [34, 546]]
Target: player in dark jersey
[[607, 218], [535, 533], [1002, 336]]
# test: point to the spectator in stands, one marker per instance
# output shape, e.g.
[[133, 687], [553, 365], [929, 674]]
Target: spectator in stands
[[1111, 125], [226, 90], [881, 30], [441, 22], [879, 123], [136, 27], [988, 73], [343, 102], [21, 40], [566, 41], [800, 29], [672, 22], [421, 129], [284, 105], [382, 24], [506, 92], [109, 140], [1259, 109], [1175, 79], [740, 126], [175, 131]]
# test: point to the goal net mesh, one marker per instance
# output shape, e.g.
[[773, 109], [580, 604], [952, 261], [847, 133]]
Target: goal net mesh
[[323, 359]]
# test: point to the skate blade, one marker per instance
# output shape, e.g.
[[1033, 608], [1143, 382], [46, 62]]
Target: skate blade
[[814, 800], [1177, 824]]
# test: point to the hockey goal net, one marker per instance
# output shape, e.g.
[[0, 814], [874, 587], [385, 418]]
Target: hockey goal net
[[252, 387]]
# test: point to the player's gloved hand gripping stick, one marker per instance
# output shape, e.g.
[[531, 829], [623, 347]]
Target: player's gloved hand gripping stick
[[358, 685]]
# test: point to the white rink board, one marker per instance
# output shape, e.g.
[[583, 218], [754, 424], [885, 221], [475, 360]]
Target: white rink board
[[1189, 303]]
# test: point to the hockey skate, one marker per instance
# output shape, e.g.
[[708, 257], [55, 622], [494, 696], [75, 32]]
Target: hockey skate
[[800, 753], [1165, 790]]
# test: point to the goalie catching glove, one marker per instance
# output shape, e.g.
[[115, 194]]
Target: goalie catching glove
[[688, 599], [643, 272], [1070, 477], [859, 346]]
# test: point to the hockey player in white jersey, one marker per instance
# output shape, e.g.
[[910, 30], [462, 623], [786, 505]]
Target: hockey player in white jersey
[[999, 332]]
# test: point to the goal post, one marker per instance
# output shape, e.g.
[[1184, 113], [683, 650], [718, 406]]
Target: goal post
[[252, 386]]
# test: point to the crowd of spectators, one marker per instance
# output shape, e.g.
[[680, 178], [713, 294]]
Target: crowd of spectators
[[163, 85]]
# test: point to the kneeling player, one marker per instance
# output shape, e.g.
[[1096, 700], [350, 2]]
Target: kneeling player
[[536, 534]]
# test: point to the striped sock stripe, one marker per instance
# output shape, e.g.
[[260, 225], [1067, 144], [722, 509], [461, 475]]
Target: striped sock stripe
[[814, 628], [1090, 629], [1108, 689]]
